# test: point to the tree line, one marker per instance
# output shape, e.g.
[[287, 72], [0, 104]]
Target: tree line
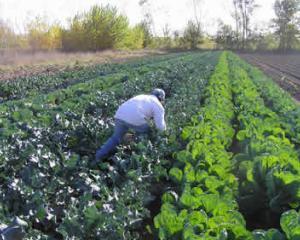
[[103, 27], [285, 26]]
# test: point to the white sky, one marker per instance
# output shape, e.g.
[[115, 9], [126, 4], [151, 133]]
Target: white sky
[[174, 13]]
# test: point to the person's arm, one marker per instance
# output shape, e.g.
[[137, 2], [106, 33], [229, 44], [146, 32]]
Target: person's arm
[[159, 117]]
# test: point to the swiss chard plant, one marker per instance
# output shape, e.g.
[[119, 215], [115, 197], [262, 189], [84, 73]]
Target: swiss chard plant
[[267, 162], [203, 205]]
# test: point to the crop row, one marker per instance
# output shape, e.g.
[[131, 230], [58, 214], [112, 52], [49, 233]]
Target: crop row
[[269, 164], [39, 111], [277, 99], [202, 203], [44, 161], [44, 83]]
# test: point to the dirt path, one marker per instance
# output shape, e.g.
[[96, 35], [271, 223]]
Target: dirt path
[[285, 79]]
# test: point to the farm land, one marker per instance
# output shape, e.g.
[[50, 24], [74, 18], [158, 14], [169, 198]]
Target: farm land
[[226, 168], [283, 68]]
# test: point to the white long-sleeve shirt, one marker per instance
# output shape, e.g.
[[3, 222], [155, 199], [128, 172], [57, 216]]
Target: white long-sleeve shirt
[[138, 110]]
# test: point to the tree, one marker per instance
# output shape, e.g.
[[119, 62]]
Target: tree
[[238, 23], [102, 27], [262, 39], [42, 35], [176, 37], [54, 37], [8, 38], [147, 22], [242, 15], [225, 37], [167, 36], [148, 37], [134, 39], [192, 35], [37, 30], [73, 39], [286, 23], [266, 42], [197, 13]]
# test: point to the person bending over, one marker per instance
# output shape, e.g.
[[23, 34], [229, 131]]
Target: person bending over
[[134, 114]]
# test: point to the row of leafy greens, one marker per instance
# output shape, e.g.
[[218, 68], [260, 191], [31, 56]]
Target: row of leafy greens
[[207, 200]]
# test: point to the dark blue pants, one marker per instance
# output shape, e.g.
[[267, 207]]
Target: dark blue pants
[[121, 128]]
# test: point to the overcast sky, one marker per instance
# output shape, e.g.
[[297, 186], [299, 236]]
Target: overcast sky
[[171, 12]]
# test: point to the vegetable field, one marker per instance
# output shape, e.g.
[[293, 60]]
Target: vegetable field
[[284, 69], [227, 168]]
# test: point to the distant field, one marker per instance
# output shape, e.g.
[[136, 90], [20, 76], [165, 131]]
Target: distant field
[[14, 64], [284, 69]]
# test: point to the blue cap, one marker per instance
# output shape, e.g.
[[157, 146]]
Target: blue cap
[[159, 93]]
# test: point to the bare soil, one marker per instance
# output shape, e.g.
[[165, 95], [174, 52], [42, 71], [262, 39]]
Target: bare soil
[[15, 64], [283, 69]]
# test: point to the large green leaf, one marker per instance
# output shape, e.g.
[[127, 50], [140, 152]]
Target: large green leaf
[[176, 175], [290, 224]]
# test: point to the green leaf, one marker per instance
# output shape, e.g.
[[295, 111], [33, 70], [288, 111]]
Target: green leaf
[[176, 175], [72, 161], [41, 213], [241, 135], [210, 201], [168, 221], [22, 115], [219, 170], [290, 224], [189, 173], [197, 217], [170, 197], [188, 200], [184, 156], [187, 132], [201, 175], [197, 147], [92, 216], [212, 183]]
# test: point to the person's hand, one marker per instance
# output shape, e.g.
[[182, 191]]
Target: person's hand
[[93, 163], [96, 161], [97, 156]]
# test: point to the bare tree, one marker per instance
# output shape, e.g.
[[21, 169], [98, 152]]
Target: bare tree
[[176, 37], [7, 36], [238, 23], [166, 30], [243, 11], [167, 35], [192, 35], [225, 37], [197, 11], [148, 18], [286, 22]]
